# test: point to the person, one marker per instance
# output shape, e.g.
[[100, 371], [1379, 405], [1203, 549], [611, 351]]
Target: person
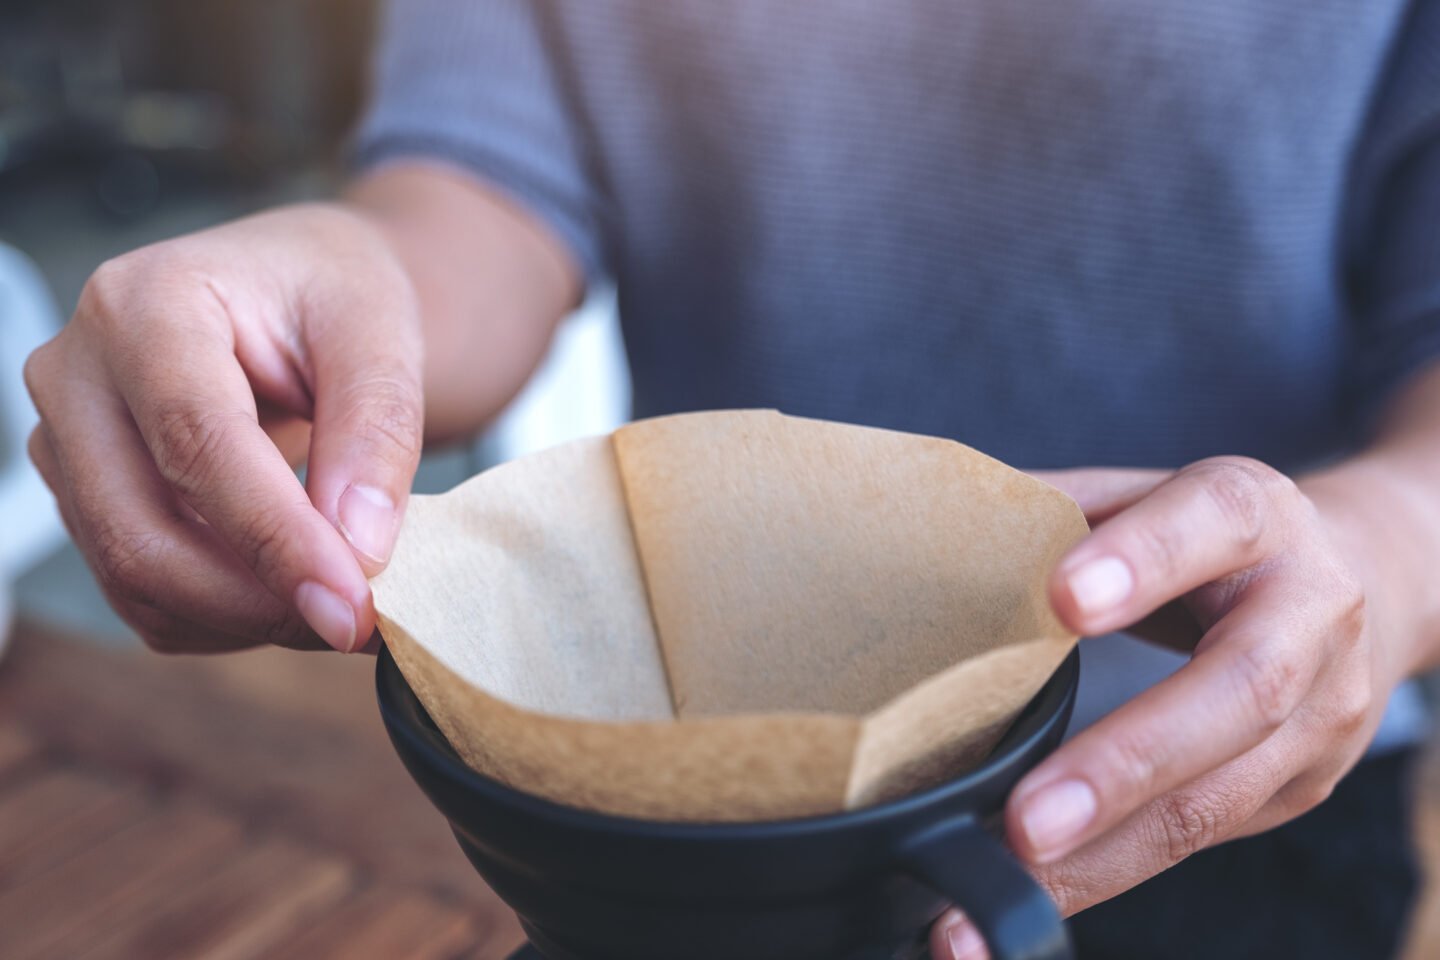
[[1185, 256]]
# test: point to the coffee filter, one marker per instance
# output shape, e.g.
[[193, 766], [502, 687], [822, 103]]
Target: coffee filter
[[729, 616]]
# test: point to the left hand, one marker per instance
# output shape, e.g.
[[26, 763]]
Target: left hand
[[1287, 684]]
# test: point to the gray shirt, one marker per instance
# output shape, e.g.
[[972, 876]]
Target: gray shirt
[[1097, 232]]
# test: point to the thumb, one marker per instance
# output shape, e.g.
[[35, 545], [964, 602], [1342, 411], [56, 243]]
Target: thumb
[[368, 419]]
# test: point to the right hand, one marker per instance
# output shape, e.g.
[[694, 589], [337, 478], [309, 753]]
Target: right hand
[[174, 405]]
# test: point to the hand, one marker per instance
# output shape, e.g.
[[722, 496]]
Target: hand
[[1289, 678], [175, 402]]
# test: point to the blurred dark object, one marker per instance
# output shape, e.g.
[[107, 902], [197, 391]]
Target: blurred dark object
[[133, 93]]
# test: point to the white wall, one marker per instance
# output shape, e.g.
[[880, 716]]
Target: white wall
[[582, 389]]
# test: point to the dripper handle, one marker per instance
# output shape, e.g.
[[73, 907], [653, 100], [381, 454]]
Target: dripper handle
[[1017, 919]]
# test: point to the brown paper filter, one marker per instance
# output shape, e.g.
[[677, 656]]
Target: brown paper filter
[[729, 616]]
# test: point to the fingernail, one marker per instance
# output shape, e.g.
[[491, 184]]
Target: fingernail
[[1056, 815], [327, 615], [1101, 585], [367, 519], [965, 942]]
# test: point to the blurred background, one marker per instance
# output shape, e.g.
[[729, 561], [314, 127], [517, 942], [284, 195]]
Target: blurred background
[[235, 807], [122, 123], [241, 806]]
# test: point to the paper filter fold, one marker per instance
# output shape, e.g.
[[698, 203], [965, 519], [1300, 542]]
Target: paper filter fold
[[729, 616]]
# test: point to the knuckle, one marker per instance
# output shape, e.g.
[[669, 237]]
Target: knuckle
[[394, 421], [1304, 795], [1356, 703], [1313, 797], [188, 442], [107, 278], [1242, 492], [36, 446], [1163, 548], [1351, 607], [1062, 886], [265, 543], [40, 371], [1188, 823], [1138, 760], [126, 563], [113, 300], [1271, 682], [102, 295], [1318, 794]]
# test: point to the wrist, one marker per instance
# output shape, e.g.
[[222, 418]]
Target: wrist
[[1387, 530]]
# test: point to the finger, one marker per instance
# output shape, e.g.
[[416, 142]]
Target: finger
[[160, 631], [150, 625], [1294, 799], [174, 635], [197, 415], [1210, 520], [1248, 678], [144, 552], [373, 646], [1103, 492], [166, 634], [369, 415], [1225, 804], [954, 937], [1172, 827], [42, 455], [1322, 774]]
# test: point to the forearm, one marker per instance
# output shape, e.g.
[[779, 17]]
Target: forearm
[[1384, 507], [492, 284]]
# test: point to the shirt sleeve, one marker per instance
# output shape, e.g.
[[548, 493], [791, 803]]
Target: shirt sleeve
[[473, 83], [1394, 252]]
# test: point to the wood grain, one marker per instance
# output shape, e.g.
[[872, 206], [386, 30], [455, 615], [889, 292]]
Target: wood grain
[[231, 808], [290, 740], [245, 908], [56, 814], [88, 889], [386, 922]]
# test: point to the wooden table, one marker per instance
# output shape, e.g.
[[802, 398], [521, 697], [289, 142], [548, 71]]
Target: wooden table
[[238, 807], [249, 806]]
